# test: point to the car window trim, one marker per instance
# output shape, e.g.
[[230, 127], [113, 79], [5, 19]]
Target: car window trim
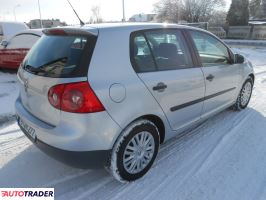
[[191, 48], [152, 54], [131, 49]]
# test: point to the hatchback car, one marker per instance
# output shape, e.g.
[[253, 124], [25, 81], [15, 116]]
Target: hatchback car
[[110, 94], [13, 52]]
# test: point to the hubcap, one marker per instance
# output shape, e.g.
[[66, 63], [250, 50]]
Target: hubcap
[[246, 93], [139, 152]]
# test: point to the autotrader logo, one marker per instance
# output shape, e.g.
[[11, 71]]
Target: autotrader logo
[[27, 193]]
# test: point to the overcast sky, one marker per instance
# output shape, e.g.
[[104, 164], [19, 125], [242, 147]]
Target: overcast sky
[[59, 9]]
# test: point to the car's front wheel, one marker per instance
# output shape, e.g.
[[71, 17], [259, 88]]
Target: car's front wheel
[[135, 151], [244, 95]]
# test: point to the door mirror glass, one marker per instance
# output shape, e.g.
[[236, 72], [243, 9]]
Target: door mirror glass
[[4, 43], [239, 59]]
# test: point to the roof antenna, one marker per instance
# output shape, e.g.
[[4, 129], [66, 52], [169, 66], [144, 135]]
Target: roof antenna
[[80, 21]]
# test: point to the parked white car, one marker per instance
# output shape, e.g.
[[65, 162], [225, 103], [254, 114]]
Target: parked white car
[[9, 29]]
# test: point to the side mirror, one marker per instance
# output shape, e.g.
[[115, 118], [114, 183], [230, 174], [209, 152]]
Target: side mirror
[[239, 59], [4, 43]]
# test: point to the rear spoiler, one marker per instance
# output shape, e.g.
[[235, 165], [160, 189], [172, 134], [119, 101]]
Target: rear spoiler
[[86, 31]]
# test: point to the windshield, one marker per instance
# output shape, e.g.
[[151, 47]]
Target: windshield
[[60, 56]]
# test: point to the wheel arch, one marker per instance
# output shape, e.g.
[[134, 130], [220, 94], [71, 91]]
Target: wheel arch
[[252, 76], [158, 122]]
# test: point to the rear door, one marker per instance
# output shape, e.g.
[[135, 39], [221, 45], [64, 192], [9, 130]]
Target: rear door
[[12, 55], [163, 62], [56, 58], [221, 75]]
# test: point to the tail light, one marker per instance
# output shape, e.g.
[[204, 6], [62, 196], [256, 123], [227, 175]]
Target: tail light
[[75, 98]]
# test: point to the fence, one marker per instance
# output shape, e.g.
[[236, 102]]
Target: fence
[[241, 32], [253, 32]]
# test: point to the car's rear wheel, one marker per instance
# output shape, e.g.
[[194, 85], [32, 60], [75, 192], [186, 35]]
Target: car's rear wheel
[[135, 151], [244, 95]]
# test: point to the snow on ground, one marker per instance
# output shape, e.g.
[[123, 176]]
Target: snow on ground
[[8, 92], [224, 158]]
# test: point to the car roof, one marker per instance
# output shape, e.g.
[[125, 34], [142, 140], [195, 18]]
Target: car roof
[[131, 27], [10, 24]]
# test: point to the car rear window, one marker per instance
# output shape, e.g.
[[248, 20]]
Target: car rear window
[[60, 56]]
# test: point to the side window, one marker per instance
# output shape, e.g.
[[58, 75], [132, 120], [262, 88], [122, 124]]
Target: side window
[[22, 41], [211, 50], [169, 50], [142, 55], [160, 50]]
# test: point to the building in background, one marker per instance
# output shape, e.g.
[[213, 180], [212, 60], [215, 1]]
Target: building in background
[[142, 17], [46, 23]]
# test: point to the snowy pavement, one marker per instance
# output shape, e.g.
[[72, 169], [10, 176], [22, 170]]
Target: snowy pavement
[[224, 158]]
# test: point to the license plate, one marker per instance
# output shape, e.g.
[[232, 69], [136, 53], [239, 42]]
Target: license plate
[[27, 129]]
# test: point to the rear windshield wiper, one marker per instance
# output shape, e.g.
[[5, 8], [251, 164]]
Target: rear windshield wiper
[[46, 68], [33, 69]]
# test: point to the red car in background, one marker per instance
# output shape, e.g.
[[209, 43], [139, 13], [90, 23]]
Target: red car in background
[[12, 52]]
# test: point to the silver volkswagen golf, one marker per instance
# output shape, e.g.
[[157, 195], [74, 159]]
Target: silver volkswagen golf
[[108, 95]]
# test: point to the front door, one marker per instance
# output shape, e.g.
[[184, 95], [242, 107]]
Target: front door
[[221, 75]]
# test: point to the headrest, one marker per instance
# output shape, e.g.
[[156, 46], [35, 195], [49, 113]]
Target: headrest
[[167, 50]]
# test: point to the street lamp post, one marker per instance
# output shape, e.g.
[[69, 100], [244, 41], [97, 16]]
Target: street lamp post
[[40, 13], [14, 11], [123, 4]]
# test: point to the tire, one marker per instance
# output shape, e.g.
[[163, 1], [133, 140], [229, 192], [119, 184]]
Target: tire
[[123, 165], [243, 101]]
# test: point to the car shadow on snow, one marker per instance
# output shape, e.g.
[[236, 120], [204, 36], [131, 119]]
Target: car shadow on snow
[[32, 168]]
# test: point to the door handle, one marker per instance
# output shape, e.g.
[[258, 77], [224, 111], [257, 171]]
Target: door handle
[[160, 87], [210, 77]]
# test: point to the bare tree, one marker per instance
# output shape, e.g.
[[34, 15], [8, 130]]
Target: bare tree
[[200, 10], [96, 16], [188, 10], [167, 11], [218, 18]]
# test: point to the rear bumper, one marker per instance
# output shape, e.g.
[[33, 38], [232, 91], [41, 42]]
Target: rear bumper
[[83, 145], [79, 159], [74, 132]]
